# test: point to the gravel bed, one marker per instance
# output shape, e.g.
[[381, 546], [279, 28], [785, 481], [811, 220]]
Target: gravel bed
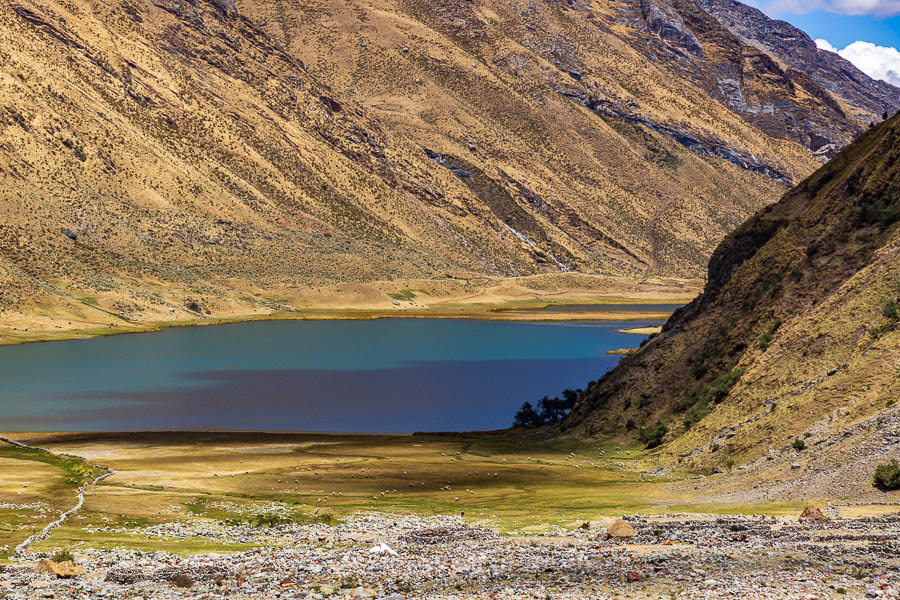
[[404, 557]]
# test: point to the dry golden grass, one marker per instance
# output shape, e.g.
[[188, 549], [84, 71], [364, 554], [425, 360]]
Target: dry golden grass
[[218, 169], [513, 481]]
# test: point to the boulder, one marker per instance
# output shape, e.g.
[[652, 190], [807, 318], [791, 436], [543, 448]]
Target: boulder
[[63, 569], [812, 514], [620, 529]]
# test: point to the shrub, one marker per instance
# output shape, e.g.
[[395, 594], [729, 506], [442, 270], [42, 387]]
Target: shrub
[[887, 476], [630, 424], [271, 520], [798, 444], [884, 216], [891, 310], [652, 437], [696, 413], [764, 341], [699, 371]]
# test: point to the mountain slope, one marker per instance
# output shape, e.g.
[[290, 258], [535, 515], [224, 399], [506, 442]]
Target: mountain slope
[[800, 316], [258, 155], [793, 47]]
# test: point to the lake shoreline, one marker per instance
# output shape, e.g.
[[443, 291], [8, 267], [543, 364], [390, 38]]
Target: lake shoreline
[[499, 313]]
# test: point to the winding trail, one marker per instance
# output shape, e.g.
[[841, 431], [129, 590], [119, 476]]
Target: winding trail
[[46, 531]]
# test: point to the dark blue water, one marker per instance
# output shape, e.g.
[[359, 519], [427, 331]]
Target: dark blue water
[[390, 375]]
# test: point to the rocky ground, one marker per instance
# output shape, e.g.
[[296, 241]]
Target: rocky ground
[[398, 557]]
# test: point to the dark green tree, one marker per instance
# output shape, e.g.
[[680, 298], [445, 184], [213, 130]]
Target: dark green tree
[[528, 417]]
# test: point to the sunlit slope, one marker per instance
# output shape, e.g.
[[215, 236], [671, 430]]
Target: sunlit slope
[[246, 154], [800, 315]]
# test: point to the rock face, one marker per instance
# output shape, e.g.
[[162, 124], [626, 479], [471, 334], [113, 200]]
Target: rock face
[[813, 514], [277, 146], [62, 570], [767, 71], [795, 336], [796, 49]]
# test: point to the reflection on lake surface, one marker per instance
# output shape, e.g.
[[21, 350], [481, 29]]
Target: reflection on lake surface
[[389, 375]]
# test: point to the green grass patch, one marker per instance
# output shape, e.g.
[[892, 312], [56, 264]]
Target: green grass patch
[[405, 295], [78, 472]]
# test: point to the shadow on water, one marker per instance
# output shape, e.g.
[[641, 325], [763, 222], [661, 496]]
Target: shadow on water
[[390, 376]]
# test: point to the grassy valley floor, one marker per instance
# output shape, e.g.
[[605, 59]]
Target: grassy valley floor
[[519, 515]]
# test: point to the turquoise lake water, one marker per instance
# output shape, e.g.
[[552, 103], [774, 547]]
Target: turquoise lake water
[[385, 376]]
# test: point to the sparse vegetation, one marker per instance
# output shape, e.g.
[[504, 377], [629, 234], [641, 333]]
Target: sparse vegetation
[[63, 556], [798, 444], [652, 437], [706, 396], [764, 341]]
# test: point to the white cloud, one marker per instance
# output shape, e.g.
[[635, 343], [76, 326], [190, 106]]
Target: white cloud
[[878, 62], [879, 8], [826, 45]]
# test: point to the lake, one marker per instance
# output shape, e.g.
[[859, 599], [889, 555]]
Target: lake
[[379, 376]]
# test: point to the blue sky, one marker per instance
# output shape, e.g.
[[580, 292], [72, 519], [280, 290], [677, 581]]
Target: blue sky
[[865, 32], [843, 30]]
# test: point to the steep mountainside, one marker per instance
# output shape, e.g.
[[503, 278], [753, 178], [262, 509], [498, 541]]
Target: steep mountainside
[[246, 154], [797, 336], [862, 95]]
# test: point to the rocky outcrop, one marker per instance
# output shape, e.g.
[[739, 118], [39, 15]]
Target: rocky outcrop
[[664, 21], [792, 103], [795, 48], [680, 133]]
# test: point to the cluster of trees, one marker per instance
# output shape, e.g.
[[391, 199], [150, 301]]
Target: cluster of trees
[[548, 410]]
